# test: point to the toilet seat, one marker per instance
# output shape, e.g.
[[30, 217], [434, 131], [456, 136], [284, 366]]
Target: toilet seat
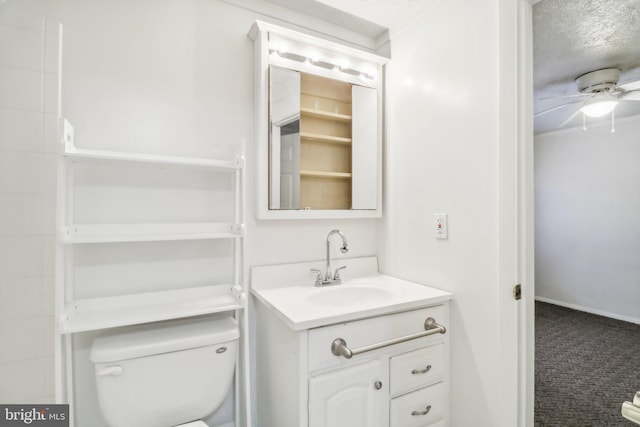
[[198, 423]]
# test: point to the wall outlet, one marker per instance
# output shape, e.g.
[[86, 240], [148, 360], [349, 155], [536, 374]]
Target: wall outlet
[[441, 227]]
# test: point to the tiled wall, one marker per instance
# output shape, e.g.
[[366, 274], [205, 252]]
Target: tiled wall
[[29, 109]]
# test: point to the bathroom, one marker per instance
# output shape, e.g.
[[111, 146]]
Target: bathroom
[[177, 78]]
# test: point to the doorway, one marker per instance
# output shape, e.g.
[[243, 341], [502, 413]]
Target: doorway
[[586, 281]]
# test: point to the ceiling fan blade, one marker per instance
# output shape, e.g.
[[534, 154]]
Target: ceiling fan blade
[[571, 117], [556, 108], [630, 86], [565, 96], [632, 95]]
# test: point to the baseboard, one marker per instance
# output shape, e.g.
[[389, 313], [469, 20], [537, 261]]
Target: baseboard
[[589, 310]]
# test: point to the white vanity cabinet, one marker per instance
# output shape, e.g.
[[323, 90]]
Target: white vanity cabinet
[[301, 383]]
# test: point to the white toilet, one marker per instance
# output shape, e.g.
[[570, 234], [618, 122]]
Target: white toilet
[[165, 374]]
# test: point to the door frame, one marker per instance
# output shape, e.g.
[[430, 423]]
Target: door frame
[[515, 213], [525, 209]]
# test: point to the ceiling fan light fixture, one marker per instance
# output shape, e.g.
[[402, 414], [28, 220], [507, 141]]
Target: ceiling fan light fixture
[[599, 105]]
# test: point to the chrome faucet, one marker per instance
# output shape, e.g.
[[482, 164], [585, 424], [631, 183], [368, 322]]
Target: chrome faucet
[[328, 278]]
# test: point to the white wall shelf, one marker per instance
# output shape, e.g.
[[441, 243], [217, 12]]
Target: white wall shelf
[[75, 314], [109, 312], [101, 156], [107, 233]]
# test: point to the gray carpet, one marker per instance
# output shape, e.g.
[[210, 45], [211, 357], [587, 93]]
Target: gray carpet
[[585, 367]]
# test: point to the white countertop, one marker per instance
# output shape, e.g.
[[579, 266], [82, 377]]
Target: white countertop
[[301, 305]]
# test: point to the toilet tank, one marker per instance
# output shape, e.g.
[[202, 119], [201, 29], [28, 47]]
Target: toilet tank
[[166, 373]]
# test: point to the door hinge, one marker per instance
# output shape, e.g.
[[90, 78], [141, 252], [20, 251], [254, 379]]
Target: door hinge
[[517, 292]]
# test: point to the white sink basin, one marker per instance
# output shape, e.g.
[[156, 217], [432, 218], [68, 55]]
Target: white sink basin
[[341, 295], [288, 291]]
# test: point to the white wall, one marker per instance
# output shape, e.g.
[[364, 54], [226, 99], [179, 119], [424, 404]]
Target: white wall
[[442, 157], [167, 77], [587, 218], [175, 77], [28, 115]]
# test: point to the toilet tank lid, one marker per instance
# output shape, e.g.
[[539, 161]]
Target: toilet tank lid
[[164, 337]]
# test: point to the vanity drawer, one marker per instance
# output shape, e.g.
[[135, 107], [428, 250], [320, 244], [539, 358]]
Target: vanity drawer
[[417, 369], [423, 407], [367, 332]]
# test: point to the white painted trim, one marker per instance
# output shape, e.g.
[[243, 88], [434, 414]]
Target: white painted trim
[[589, 310], [272, 214], [306, 39], [526, 249], [507, 81], [285, 16]]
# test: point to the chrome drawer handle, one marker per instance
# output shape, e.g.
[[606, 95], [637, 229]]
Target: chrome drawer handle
[[339, 346], [425, 412], [423, 371]]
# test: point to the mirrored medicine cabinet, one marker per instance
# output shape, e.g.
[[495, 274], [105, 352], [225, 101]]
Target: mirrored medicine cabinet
[[318, 127]]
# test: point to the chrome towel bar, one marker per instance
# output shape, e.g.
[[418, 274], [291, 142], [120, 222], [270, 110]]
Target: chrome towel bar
[[339, 346]]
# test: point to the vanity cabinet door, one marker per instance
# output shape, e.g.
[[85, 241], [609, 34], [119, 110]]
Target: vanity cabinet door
[[354, 397]]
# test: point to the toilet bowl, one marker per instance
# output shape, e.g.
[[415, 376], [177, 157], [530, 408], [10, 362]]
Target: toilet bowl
[[165, 374]]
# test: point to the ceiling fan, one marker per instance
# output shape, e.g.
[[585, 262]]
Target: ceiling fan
[[600, 94]]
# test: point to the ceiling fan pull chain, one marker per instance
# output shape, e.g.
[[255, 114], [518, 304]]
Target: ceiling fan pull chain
[[613, 121], [584, 121]]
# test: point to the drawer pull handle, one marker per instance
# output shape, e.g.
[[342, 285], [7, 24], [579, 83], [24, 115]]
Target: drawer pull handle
[[425, 412], [421, 371], [339, 346]]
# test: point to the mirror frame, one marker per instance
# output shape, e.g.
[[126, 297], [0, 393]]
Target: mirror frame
[[262, 34]]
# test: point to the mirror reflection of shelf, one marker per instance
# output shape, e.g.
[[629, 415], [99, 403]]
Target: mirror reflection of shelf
[[320, 114], [326, 143], [323, 174], [324, 138]]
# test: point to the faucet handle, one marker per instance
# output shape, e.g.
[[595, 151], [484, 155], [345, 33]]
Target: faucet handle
[[319, 278], [336, 275]]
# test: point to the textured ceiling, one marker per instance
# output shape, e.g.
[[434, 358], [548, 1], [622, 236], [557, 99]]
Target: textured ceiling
[[573, 37]]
